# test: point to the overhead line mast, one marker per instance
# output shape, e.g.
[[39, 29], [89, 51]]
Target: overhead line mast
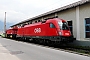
[[5, 23]]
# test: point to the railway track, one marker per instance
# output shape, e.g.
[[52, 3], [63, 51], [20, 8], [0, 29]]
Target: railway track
[[69, 47]]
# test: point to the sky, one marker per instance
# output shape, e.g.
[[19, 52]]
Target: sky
[[20, 10]]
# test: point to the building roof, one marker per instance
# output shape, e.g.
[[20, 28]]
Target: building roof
[[57, 10]]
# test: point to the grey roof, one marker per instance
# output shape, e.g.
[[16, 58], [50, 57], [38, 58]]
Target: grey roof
[[57, 10]]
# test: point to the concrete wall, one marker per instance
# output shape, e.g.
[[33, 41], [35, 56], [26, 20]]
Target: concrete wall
[[48, 16], [84, 13], [77, 15]]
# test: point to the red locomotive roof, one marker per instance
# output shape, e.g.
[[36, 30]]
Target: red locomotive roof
[[33, 24]]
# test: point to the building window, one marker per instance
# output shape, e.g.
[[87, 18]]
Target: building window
[[38, 20], [30, 22], [52, 25], [87, 27], [70, 26], [35, 21]]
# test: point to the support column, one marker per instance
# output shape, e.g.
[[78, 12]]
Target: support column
[[42, 18], [77, 23], [56, 14]]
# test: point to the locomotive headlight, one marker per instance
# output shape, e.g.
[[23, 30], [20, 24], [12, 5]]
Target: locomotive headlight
[[60, 33]]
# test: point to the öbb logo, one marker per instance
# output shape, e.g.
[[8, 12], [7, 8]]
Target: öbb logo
[[37, 30]]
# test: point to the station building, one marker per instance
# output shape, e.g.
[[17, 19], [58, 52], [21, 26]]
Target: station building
[[77, 16]]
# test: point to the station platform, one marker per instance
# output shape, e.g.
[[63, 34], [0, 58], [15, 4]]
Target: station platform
[[5, 54]]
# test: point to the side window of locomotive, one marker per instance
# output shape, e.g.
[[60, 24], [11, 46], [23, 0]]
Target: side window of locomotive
[[52, 25]]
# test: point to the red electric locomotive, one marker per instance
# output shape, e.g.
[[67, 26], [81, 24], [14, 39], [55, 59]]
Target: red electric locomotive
[[12, 32], [54, 29]]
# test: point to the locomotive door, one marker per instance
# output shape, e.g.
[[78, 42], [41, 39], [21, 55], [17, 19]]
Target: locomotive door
[[51, 30]]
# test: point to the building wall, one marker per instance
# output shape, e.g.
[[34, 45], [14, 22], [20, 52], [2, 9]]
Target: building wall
[[77, 15], [49, 16], [84, 13]]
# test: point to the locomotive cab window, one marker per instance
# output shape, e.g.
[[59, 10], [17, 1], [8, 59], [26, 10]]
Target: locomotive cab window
[[63, 25], [52, 25]]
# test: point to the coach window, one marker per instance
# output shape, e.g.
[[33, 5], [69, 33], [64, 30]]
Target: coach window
[[52, 25], [38, 20]]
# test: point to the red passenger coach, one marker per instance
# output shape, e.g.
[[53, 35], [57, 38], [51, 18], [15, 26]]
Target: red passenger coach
[[54, 29]]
